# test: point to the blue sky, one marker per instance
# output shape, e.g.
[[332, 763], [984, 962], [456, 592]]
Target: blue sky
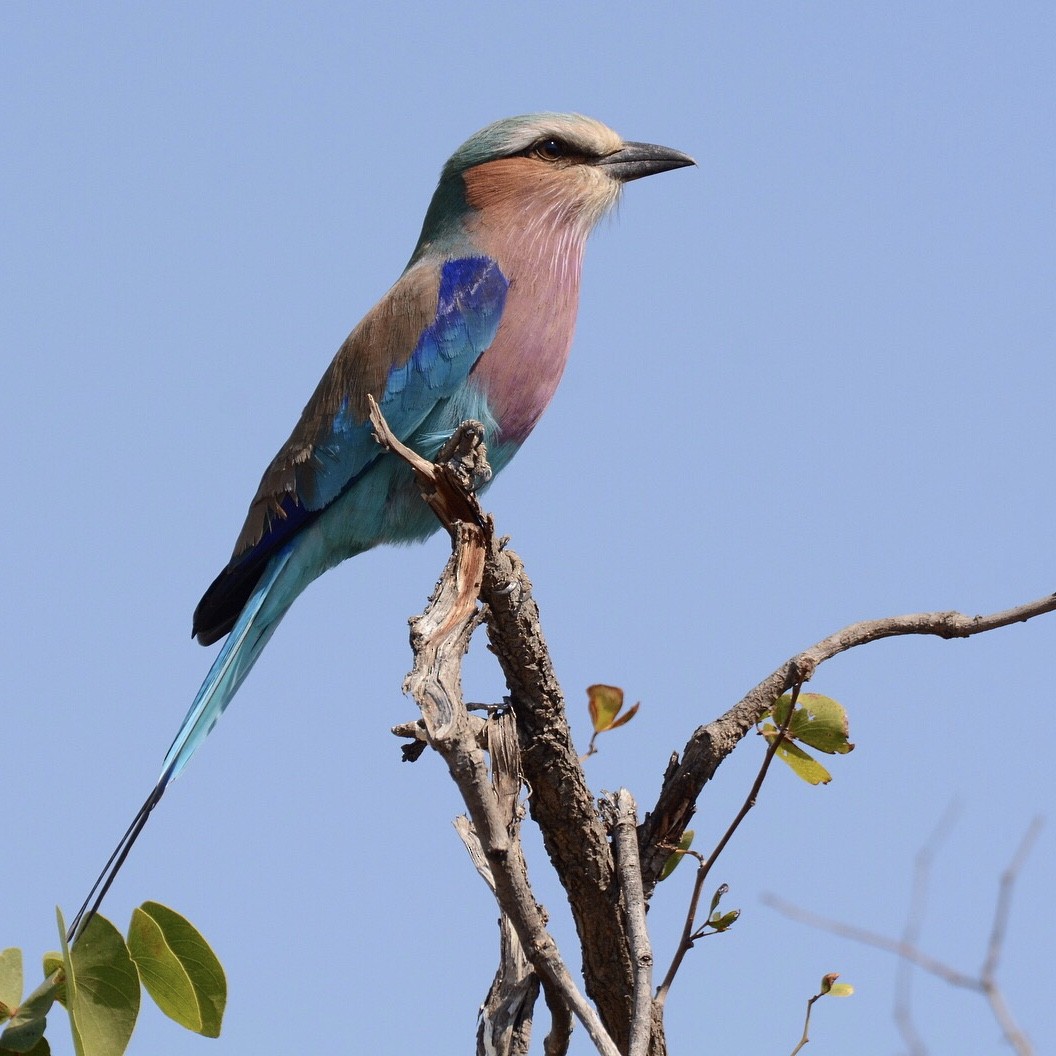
[[812, 383]]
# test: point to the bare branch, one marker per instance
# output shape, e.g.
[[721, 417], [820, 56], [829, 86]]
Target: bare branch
[[988, 976], [903, 1010], [624, 813], [710, 744], [911, 953], [985, 983], [1004, 899], [561, 803], [439, 638], [505, 1023]]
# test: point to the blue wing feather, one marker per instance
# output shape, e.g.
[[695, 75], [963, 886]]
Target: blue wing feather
[[471, 298], [470, 301]]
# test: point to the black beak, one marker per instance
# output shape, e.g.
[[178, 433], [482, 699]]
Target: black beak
[[635, 160]]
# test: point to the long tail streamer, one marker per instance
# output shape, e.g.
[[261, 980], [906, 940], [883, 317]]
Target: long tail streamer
[[244, 644]]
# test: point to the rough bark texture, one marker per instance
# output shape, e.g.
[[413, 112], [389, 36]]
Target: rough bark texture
[[560, 802]]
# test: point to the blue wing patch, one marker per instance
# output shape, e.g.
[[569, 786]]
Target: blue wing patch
[[471, 298]]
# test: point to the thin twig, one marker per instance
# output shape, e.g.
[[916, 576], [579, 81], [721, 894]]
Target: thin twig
[[689, 936], [827, 986], [805, 1039], [988, 976], [871, 938], [985, 983], [902, 1011]]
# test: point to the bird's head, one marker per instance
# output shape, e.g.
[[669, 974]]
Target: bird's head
[[538, 170]]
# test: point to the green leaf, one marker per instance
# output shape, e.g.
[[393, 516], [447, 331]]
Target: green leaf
[[178, 968], [10, 981], [803, 765], [102, 989], [716, 898], [676, 857], [26, 1029], [25, 1032], [604, 703], [821, 723], [723, 922]]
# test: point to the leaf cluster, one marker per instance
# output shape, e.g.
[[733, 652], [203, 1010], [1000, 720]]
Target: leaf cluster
[[97, 980], [815, 720]]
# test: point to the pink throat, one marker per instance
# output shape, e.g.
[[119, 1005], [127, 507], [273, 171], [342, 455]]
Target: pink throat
[[521, 370]]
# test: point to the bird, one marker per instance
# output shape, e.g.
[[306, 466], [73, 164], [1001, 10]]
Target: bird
[[478, 326]]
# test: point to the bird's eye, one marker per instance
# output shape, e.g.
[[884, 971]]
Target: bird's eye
[[550, 149]]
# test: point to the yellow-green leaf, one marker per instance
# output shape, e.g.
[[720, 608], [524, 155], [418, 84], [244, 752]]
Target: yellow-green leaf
[[102, 989], [780, 709], [178, 968], [803, 765], [676, 856], [724, 921], [841, 990], [720, 893], [604, 703], [821, 723], [626, 716], [10, 981]]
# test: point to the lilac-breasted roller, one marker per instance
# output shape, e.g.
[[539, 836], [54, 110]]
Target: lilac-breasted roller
[[479, 325]]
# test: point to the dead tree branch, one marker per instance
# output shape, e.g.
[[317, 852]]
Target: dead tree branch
[[573, 831], [439, 638], [504, 1025], [561, 804], [623, 813]]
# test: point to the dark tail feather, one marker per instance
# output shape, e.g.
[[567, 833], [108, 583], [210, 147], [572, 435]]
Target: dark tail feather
[[114, 863]]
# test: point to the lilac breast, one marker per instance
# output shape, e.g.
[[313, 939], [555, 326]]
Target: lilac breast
[[522, 367]]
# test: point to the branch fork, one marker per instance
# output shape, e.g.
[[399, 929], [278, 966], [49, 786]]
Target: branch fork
[[607, 864]]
